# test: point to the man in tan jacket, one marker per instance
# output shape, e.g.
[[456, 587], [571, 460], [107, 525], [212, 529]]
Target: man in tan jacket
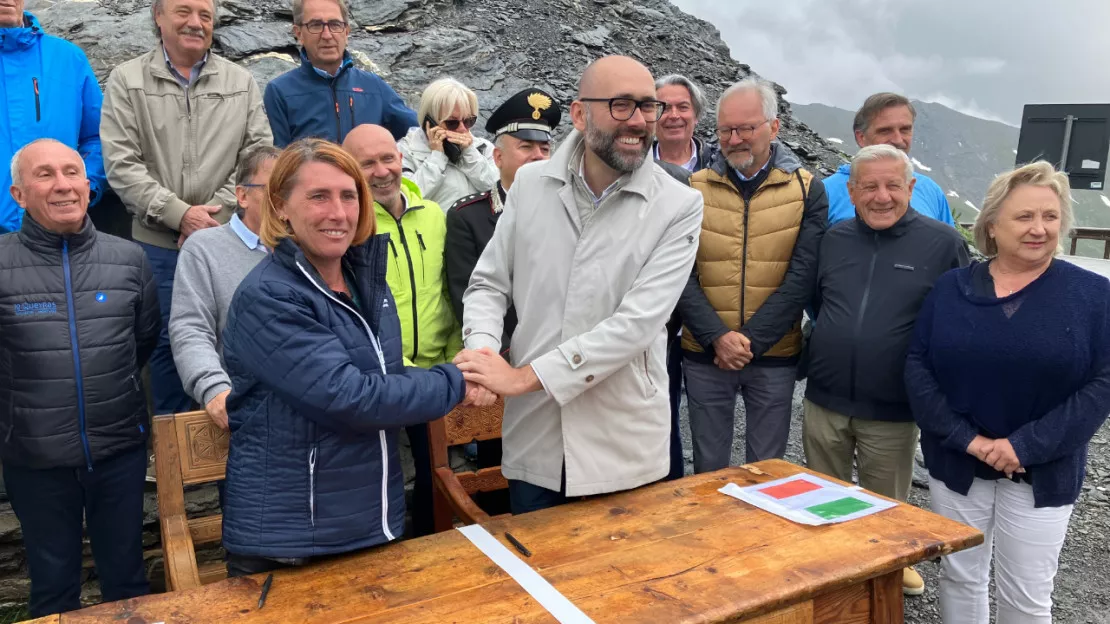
[[594, 247], [174, 124], [756, 271]]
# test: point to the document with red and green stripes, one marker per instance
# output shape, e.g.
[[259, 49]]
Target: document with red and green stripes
[[806, 499]]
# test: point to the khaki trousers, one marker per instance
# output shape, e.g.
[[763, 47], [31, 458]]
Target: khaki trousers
[[883, 451]]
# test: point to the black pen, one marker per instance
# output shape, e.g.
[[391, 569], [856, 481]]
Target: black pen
[[265, 589], [516, 544]]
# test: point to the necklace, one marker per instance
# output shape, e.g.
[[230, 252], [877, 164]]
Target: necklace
[[1024, 278]]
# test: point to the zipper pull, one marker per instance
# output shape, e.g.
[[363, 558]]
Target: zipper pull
[[420, 239], [393, 248], [38, 108]]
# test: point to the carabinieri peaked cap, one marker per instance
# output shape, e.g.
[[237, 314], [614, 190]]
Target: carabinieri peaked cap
[[530, 115]]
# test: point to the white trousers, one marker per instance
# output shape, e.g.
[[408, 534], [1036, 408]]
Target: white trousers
[[1025, 541]]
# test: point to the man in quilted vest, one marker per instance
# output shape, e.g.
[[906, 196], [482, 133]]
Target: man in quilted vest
[[755, 272]]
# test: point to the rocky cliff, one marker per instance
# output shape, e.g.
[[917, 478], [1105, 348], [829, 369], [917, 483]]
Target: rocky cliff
[[497, 47]]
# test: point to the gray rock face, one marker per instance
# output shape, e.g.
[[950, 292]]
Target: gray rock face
[[497, 47]]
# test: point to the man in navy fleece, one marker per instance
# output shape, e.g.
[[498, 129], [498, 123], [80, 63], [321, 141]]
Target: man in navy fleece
[[327, 96]]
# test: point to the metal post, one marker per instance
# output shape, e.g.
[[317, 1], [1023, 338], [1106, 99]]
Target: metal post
[[1069, 121]]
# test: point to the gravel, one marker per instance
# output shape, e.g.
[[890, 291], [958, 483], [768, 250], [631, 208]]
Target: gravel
[[1082, 595]]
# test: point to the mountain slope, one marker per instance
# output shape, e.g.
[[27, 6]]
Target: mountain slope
[[960, 152]]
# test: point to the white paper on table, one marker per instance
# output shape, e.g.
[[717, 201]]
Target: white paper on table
[[794, 508], [543, 592]]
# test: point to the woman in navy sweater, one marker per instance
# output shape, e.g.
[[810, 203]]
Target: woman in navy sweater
[[1009, 378]]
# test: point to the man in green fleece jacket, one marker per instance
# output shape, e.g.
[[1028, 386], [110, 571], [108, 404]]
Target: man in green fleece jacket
[[417, 231]]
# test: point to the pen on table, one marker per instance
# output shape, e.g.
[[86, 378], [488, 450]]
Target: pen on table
[[265, 589], [516, 544]]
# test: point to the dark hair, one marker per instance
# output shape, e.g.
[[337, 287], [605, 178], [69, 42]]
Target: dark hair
[[249, 164], [876, 104]]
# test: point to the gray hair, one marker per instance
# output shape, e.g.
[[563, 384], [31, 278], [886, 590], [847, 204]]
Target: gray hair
[[298, 11], [873, 153], [249, 164], [17, 158], [156, 8], [1038, 173], [697, 96], [876, 104], [764, 88]]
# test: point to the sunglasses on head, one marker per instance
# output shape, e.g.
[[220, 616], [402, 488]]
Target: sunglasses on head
[[453, 124]]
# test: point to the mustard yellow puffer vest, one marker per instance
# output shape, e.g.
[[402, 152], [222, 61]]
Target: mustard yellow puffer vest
[[744, 254]]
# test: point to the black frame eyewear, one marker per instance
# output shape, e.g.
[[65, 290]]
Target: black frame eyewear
[[618, 103]]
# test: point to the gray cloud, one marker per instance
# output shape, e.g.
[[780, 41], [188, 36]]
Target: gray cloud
[[987, 58]]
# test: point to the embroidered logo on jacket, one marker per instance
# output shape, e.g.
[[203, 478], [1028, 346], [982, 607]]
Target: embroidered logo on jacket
[[36, 308], [101, 297]]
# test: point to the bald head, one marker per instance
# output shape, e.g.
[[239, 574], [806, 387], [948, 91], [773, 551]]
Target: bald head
[[376, 151], [603, 71]]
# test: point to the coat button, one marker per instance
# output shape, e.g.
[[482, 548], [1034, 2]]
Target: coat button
[[590, 379], [577, 359], [467, 332]]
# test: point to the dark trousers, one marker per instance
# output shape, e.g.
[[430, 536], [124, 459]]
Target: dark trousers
[[423, 522], [674, 375], [245, 565], [50, 504], [169, 395], [526, 497]]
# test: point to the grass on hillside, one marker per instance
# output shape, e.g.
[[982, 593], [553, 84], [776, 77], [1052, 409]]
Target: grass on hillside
[[13, 614]]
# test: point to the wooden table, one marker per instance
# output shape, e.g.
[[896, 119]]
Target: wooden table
[[670, 553]]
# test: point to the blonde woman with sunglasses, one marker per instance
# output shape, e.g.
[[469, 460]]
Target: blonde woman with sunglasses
[[441, 156]]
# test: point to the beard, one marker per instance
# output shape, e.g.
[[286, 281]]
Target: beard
[[740, 159], [604, 145]]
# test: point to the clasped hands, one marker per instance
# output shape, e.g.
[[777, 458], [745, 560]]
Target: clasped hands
[[998, 454], [733, 351], [488, 376]]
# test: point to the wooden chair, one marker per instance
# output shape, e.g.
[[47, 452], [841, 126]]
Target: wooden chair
[[453, 490], [188, 449]]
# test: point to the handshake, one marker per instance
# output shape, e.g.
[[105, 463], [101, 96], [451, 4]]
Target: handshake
[[733, 350], [488, 376], [998, 454]]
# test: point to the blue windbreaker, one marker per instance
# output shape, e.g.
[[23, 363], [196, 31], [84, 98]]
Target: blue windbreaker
[[302, 103], [49, 91], [928, 198]]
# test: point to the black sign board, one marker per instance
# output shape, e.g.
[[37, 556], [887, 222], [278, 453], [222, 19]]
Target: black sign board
[[1074, 137]]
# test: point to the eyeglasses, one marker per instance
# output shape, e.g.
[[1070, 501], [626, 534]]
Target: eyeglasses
[[622, 108], [724, 134], [337, 27], [252, 186], [453, 124]]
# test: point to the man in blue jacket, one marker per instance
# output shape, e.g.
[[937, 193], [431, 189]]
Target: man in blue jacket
[[886, 118], [48, 91], [327, 96]]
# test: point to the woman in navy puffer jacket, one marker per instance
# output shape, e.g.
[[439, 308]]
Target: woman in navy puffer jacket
[[313, 348]]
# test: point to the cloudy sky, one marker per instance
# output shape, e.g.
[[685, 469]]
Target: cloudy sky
[[983, 57]]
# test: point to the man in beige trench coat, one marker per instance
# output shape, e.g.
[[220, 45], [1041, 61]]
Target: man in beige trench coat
[[594, 248]]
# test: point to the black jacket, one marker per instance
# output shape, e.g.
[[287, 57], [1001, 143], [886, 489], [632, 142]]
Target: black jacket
[[470, 224], [870, 287], [78, 318]]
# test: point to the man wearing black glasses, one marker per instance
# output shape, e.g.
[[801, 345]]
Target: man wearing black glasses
[[327, 96], [756, 271], [594, 247]]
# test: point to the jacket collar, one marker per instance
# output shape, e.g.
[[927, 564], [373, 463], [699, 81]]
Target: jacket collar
[[21, 37], [310, 69], [410, 194], [156, 63], [367, 261], [568, 157], [35, 236], [902, 226]]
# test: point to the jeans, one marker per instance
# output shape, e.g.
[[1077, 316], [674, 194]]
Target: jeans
[[768, 393], [1024, 541], [525, 497], [169, 395], [51, 504]]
